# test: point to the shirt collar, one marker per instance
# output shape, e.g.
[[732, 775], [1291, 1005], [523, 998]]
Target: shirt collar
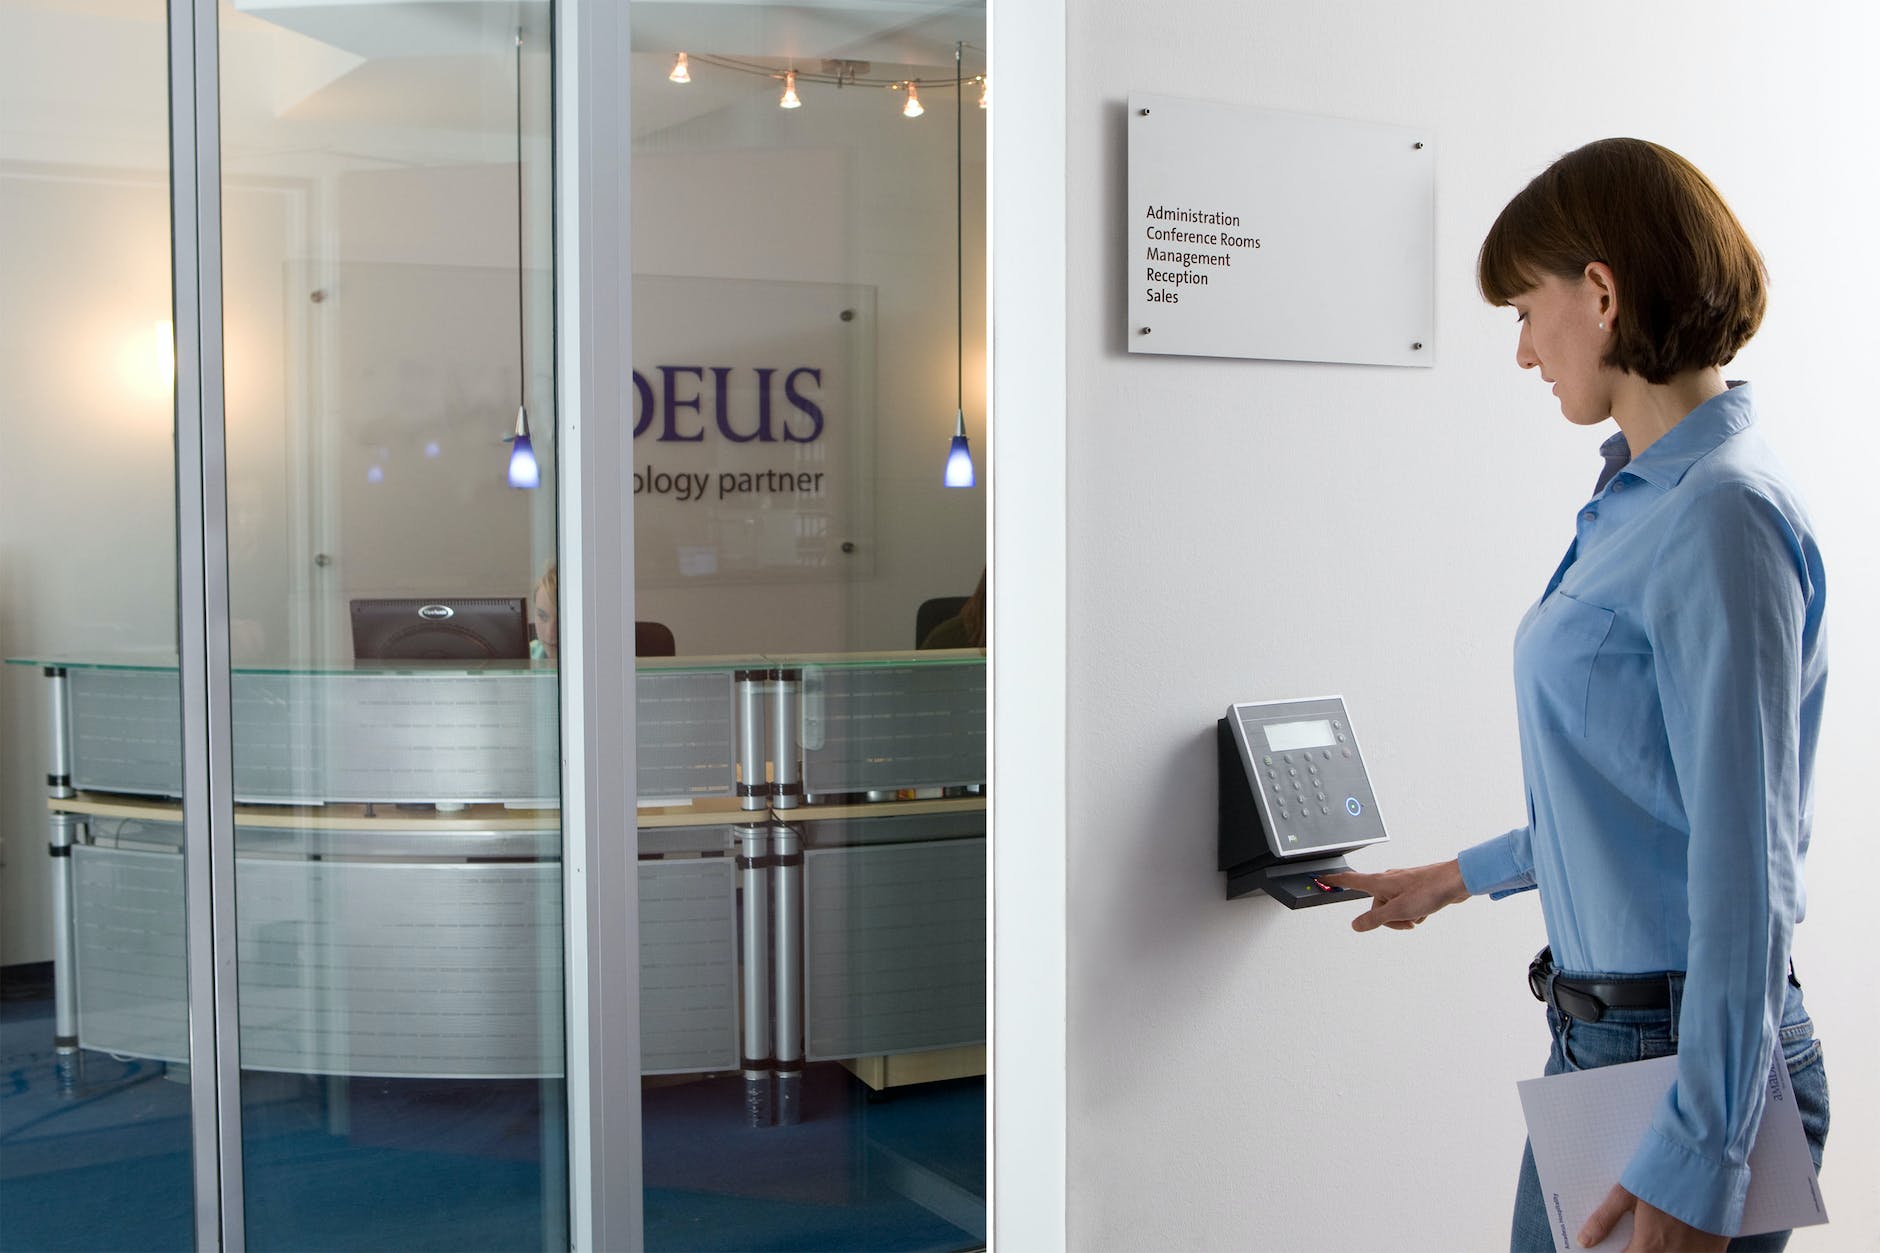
[[1699, 433]]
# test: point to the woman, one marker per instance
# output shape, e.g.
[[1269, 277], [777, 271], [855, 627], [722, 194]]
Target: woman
[[1669, 685], [965, 629], [546, 646]]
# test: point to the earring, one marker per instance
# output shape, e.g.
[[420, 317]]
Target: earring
[[1602, 326]]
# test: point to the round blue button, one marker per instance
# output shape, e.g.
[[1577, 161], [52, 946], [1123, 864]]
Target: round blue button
[[1352, 806]]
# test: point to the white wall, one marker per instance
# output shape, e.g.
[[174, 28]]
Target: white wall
[[1241, 1077]]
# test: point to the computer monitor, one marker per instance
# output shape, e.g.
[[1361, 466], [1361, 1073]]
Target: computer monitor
[[446, 628]]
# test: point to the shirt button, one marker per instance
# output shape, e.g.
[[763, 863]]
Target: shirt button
[[1589, 515], [1618, 485]]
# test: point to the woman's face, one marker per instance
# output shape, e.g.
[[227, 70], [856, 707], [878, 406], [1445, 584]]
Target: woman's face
[[1562, 336]]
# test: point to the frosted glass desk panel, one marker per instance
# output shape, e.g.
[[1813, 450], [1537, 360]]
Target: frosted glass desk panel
[[392, 733], [469, 733], [893, 724], [412, 960]]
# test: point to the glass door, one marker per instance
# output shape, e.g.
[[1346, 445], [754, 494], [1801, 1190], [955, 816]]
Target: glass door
[[808, 203], [95, 1126], [385, 176]]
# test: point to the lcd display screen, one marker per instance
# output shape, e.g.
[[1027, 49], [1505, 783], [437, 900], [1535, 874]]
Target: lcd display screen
[[1284, 737]]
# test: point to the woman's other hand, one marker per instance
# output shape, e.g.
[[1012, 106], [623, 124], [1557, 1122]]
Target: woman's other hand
[[1653, 1230], [1403, 898]]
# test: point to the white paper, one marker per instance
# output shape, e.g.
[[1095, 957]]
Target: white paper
[[1585, 1126]]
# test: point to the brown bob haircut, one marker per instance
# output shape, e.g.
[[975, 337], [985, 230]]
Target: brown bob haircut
[[1691, 286]]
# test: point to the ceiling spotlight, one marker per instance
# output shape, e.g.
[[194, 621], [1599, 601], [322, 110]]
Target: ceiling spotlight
[[789, 100], [913, 106], [680, 74]]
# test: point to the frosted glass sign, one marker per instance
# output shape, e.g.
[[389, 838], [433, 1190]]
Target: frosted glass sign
[[753, 447], [1253, 233]]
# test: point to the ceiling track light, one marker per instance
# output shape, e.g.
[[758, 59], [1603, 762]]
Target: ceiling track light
[[836, 72]]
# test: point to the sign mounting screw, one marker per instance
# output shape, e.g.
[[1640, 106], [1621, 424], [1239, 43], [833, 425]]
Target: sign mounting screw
[[1143, 112]]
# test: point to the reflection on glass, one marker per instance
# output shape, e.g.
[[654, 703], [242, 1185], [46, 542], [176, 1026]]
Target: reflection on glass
[[386, 257], [95, 1103], [812, 833]]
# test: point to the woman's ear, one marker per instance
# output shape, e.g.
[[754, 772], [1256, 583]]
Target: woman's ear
[[1602, 292]]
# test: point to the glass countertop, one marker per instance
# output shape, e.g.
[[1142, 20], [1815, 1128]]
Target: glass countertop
[[158, 663]]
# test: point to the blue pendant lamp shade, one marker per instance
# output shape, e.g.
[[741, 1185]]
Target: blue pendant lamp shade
[[959, 472], [523, 472], [960, 459]]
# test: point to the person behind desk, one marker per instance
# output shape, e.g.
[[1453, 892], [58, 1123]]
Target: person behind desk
[[967, 628], [1668, 687], [547, 639]]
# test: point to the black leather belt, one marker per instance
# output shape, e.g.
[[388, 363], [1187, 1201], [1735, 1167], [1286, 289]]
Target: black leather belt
[[1589, 999]]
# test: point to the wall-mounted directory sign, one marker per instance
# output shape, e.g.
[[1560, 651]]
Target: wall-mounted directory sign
[[1253, 233]]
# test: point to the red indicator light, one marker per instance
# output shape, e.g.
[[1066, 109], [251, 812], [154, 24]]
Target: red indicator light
[[1323, 886]]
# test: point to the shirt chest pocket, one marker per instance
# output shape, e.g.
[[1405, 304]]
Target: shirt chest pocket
[[1555, 658]]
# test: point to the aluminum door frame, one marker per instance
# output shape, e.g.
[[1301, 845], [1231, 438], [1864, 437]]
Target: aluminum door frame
[[594, 389], [594, 423], [202, 622]]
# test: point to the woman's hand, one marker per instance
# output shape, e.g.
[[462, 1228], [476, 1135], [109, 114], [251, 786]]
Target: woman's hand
[[1653, 1230], [1403, 898]]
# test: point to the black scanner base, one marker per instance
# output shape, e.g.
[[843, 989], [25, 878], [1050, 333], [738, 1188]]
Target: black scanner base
[[1296, 885]]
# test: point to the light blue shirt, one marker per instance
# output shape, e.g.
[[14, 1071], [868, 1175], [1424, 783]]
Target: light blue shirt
[[1669, 685]]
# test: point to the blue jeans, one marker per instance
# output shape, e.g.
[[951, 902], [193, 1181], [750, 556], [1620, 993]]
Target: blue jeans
[[1629, 1035]]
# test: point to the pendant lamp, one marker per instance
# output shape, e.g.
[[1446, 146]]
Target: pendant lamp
[[959, 471], [523, 470]]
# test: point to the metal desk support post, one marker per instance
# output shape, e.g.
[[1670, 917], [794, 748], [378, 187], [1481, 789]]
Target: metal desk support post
[[753, 783], [786, 703], [787, 1000], [786, 792], [754, 869], [63, 828]]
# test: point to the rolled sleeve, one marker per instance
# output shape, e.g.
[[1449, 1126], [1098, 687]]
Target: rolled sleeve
[[1499, 867], [1726, 611]]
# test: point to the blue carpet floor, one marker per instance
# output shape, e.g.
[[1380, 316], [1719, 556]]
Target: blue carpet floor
[[474, 1165]]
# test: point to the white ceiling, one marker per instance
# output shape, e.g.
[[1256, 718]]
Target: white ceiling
[[913, 32]]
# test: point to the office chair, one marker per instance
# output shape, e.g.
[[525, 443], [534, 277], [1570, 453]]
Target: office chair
[[653, 639], [933, 612]]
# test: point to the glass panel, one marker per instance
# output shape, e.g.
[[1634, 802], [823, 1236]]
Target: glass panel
[[95, 1107], [808, 313], [386, 257]]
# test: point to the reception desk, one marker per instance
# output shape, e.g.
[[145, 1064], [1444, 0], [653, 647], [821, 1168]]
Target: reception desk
[[811, 845]]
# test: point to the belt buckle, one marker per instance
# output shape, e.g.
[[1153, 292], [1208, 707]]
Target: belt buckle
[[1582, 1006], [1544, 983]]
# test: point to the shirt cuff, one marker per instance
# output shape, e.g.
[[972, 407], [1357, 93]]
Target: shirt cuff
[[1692, 1189], [1494, 866]]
